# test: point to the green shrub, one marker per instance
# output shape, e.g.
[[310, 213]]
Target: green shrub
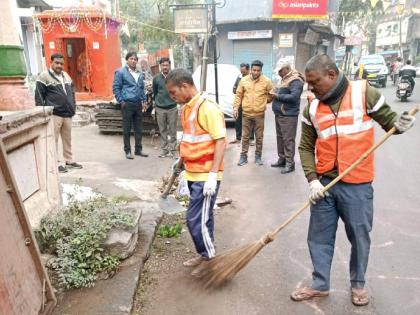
[[168, 230], [76, 235]]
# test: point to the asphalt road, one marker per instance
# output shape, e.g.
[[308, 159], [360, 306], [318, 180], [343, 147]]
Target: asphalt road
[[263, 198]]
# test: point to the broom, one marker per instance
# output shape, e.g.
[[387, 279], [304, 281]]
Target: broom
[[174, 175], [224, 267]]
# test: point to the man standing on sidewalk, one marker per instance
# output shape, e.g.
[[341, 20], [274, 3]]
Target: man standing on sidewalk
[[202, 149], [238, 121], [253, 94], [337, 128], [166, 111], [54, 87], [286, 104], [128, 88]]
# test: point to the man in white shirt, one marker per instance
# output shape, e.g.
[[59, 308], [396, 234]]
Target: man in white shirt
[[128, 88]]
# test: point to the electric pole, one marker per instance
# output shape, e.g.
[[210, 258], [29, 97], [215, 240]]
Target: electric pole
[[214, 33]]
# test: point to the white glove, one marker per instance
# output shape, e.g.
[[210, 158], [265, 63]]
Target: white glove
[[210, 185], [315, 191], [404, 122]]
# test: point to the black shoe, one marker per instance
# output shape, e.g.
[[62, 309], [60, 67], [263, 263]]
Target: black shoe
[[74, 165], [140, 153], [288, 169], [279, 163], [62, 169], [129, 156], [243, 160]]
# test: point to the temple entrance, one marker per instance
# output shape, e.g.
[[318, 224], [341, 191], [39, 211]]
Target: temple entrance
[[77, 63]]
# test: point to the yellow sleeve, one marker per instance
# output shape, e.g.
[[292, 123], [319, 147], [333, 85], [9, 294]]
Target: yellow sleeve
[[212, 120]]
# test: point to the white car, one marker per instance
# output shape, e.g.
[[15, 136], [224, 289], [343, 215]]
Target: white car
[[227, 75], [418, 69], [376, 68]]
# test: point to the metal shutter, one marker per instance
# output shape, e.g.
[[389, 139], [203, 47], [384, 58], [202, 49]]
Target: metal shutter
[[250, 50]]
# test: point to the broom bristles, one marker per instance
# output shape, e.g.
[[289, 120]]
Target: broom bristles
[[224, 267]]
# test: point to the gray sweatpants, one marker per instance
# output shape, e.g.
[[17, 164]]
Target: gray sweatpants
[[353, 203]]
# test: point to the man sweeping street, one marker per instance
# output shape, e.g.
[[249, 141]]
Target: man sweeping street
[[337, 128], [201, 149]]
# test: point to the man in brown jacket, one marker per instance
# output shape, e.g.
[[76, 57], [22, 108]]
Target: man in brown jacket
[[253, 94]]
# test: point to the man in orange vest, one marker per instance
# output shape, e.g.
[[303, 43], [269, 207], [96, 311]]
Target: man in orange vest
[[337, 128], [202, 149]]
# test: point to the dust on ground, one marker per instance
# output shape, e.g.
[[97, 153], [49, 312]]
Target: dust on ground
[[166, 255]]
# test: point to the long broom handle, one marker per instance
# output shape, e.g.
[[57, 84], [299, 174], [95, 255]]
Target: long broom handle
[[385, 137], [172, 179]]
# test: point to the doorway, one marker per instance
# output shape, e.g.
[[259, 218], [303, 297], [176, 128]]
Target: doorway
[[77, 63]]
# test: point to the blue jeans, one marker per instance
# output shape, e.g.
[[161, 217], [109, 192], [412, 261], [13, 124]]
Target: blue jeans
[[353, 203], [200, 219]]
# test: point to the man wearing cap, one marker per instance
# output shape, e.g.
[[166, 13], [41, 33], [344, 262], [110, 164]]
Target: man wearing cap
[[286, 102]]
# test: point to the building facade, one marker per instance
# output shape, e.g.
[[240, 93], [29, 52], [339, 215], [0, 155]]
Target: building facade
[[399, 32], [249, 30]]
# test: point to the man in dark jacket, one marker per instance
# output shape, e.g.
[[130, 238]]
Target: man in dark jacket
[[166, 110], [286, 103], [54, 88], [128, 88], [244, 68], [410, 72]]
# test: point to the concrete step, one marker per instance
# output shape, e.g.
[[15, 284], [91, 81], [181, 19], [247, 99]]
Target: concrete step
[[81, 119]]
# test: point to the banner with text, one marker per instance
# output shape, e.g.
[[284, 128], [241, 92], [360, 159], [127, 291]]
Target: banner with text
[[300, 9]]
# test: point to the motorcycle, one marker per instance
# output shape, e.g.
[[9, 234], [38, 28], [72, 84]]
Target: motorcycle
[[404, 89]]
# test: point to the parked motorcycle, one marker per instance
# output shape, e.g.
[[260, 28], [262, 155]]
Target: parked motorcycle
[[404, 88]]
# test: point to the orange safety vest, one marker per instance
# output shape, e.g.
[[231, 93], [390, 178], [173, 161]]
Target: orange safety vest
[[345, 136], [197, 146]]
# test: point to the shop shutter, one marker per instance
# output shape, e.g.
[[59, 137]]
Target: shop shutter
[[250, 50]]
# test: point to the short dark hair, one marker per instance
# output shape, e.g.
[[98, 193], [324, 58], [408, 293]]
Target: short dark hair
[[179, 76], [56, 56], [409, 62], [257, 63], [244, 65], [321, 63], [131, 54], [164, 59]]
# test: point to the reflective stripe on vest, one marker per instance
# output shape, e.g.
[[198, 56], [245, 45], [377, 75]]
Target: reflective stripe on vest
[[197, 146], [344, 137], [356, 113]]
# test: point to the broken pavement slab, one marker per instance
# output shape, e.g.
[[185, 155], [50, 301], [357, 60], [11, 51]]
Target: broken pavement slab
[[170, 205], [122, 241], [115, 295]]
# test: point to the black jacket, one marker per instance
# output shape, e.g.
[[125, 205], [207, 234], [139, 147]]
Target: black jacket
[[287, 100], [49, 92]]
